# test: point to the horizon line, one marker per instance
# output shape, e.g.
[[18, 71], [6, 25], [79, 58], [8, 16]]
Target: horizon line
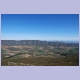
[[43, 40]]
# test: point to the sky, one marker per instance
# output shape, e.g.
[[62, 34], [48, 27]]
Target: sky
[[59, 27]]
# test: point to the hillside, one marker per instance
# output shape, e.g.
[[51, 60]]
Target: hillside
[[37, 43]]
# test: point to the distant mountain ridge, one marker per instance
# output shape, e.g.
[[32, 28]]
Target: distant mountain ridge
[[36, 43]]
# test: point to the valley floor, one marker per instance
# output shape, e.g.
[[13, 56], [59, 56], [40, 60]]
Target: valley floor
[[39, 56]]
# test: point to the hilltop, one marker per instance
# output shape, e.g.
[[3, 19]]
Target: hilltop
[[37, 43]]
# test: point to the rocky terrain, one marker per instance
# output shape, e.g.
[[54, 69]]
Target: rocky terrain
[[37, 43], [39, 53]]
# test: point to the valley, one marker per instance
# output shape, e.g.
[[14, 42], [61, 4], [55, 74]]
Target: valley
[[35, 55]]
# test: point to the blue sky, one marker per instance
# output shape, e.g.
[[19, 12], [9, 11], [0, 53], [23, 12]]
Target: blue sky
[[58, 27]]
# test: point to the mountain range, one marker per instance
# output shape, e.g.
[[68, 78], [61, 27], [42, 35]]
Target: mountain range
[[37, 43]]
